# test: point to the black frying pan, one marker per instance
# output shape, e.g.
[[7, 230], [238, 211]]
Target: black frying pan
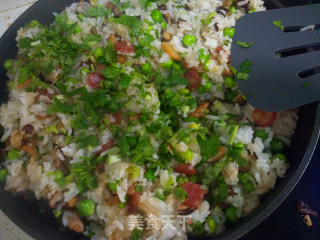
[[40, 224]]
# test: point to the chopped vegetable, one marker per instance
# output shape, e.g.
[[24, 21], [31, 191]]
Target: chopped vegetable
[[278, 23], [86, 208]]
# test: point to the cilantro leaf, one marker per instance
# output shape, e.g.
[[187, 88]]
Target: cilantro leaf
[[97, 11], [111, 53], [212, 172], [278, 23], [124, 146], [236, 156], [244, 70], [60, 107], [209, 147], [245, 66], [143, 149], [243, 76], [129, 21], [244, 44], [222, 192], [86, 141], [143, 2], [180, 193]]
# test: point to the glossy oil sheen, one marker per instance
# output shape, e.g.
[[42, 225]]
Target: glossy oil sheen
[[40, 224]]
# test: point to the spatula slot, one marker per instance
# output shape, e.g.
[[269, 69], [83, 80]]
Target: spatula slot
[[309, 72], [301, 28], [297, 50]]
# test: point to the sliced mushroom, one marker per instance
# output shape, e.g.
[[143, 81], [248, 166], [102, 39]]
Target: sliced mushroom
[[166, 35], [227, 3], [16, 139], [93, 30], [200, 111], [168, 18], [112, 38], [112, 201], [221, 153], [54, 199], [72, 202], [132, 189], [57, 162], [184, 209], [241, 101], [31, 150], [75, 223]]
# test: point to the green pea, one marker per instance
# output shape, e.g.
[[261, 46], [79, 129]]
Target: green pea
[[188, 155], [205, 88], [86, 208], [232, 9], [146, 68], [203, 55], [34, 23], [77, 29], [249, 187], [113, 186], [206, 65], [149, 175], [252, 10], [85, 70], [164, 25], [188, 40], [277, 145], [211, 224], [238, 145], [167, 65], [156, 16], [3, 175], [281, 156], [149, 4], [261, 134], [228, 32], [13, 154], [80, 17], [98, 52], [231, 214], [8, 64], [230, 82]]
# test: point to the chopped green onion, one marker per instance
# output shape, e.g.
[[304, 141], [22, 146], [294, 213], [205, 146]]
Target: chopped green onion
[[160, 196], [3, 175], [8, 64], [233, 134], [228, 32]]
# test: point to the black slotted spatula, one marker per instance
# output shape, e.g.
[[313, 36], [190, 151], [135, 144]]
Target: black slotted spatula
[[285, 71]]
